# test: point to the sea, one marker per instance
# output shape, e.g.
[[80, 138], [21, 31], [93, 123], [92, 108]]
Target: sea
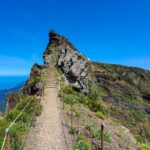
[[9, 84]]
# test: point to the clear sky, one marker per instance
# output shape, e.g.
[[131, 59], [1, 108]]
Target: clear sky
[[111, 31]]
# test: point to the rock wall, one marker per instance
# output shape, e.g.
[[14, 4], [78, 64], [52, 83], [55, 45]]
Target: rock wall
[[35, 81], [72, 63]]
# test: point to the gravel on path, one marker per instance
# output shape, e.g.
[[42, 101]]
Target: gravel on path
[[48, 132]]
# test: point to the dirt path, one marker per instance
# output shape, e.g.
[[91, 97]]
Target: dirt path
[[48, 132]]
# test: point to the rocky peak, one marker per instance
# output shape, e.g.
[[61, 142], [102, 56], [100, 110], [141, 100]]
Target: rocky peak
[[73, 64]]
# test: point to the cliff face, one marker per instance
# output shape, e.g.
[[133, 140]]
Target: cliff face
[[35, 81], [73, 64]]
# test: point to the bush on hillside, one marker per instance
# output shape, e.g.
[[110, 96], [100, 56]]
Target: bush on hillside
[[22, 124], [82, 144]]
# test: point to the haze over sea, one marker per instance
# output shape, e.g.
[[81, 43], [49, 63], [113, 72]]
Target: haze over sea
[[7, 82]]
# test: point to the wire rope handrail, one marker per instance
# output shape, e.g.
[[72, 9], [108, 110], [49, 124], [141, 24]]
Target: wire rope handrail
[[13, 122]]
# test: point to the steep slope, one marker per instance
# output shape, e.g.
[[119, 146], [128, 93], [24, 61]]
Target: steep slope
[[117, 95], [4, 93], [73, 64], [124, 90], [47, 133], [128, 95]]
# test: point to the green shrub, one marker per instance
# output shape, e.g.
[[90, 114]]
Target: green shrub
[[113, 110], [100, 115], [96, 132], [82, 144], [73, 131], [77, 114], [68, 90], [36, 78], [22, 124], [90, 126], [69, 100], [94, 99], [145, 147]]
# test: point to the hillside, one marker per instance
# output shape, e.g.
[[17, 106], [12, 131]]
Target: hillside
[[124, 90], [127, 95], [90, 93], [4, 93]]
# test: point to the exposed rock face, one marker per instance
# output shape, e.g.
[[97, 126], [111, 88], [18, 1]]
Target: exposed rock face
[[73, 64], [125, 90], [12, 100], [1, 114], [34, 83]]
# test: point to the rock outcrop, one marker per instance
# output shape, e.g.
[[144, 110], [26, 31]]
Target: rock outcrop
[[35, 81], [125, 91], [73, 64]]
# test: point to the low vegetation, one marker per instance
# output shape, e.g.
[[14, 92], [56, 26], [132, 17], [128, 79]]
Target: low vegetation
[[104, 110], [145, 147], [22, 125], [75, 102], [82, 144], [127, 96]]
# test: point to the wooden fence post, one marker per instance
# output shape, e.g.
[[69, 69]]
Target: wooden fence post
[[102, 136], [7, 139]]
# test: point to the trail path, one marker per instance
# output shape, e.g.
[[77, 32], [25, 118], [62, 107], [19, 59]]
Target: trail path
[[48, 131]]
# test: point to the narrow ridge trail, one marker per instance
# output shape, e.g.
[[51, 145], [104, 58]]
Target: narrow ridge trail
[[48, 131]]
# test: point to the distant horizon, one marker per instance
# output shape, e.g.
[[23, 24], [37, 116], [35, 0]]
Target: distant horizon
[[27, 75], [7, 82], [114, 32], [14, 75], [148, 69]]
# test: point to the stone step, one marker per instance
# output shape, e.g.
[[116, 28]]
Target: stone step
[[51, 87], [51, 83]]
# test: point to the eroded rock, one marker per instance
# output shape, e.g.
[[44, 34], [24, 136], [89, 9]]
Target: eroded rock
[[70, 61]]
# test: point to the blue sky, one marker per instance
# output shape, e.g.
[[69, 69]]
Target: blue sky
[[111, 31]]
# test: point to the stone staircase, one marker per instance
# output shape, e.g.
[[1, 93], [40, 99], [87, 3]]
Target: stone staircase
[[48, 132]]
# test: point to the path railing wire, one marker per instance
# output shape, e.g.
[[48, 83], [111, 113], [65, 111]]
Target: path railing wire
[[102, 125], [39, 92]]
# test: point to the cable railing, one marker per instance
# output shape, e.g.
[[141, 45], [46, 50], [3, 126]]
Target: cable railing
[[102, 125], [7, 131]]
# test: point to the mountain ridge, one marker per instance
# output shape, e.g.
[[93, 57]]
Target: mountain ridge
[[111, 92], [125, 87], [4, 93]]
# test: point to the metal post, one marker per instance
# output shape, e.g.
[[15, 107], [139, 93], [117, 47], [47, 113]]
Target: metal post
[[7, 139], [102, 136]]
